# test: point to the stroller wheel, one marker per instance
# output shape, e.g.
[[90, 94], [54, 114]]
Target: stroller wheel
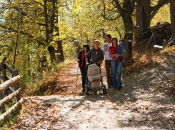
[[87, 90], [104, 90]]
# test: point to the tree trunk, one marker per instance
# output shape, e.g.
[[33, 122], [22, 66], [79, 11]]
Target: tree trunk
[[127, 11], [60, 57], [142, 19], [52, 53], [46, 22], [172, 10], [47, 31], [52, 20], [128, 24], [60, 51]]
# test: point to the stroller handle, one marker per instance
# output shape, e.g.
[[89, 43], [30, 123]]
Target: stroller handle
[[93, 63]]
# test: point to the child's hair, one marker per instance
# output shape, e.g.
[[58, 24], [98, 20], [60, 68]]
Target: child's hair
[[121, 40]]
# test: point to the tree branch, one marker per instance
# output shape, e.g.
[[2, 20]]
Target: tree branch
[[117, 5], [156, 8], [104, 16], [39, 3], [104, 13], [22, 32]]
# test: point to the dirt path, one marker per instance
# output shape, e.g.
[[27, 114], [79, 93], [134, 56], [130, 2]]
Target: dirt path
[[144, 103]]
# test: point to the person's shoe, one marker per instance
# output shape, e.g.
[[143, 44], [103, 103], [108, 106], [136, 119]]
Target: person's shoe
[[109, 87], [115, 89], [83, 90], [119, 87]]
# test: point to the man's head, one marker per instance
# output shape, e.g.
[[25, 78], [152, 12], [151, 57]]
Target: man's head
[[96, 44], [108, 38]]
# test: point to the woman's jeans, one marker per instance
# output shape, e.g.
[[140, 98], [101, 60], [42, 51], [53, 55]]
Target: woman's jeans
[[116, 73], [83, 76]]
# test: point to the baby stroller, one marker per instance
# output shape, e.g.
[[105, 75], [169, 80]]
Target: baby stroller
[[94, 81]]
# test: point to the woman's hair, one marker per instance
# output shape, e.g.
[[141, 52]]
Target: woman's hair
[[87, 46], [114, 38]]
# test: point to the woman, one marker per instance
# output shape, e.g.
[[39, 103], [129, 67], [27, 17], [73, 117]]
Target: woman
[[82, 64], [117, 62], [113, 51]]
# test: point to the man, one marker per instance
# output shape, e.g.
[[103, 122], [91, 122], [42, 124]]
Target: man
[[95, 53], [108, 59]]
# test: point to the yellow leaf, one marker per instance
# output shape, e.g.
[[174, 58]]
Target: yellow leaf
[[89, 120], [103, 103], [55, 111]]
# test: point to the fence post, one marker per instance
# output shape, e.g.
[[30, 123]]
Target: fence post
[[16, 86], [4, 77], [3, 65]]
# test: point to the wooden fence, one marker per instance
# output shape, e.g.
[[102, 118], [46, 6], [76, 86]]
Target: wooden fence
[[9, 90]]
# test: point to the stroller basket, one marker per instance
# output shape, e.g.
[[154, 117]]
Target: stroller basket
[[94, 79], [94, 73]]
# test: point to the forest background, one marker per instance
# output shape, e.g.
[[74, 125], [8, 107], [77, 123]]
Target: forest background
[[37, 35]]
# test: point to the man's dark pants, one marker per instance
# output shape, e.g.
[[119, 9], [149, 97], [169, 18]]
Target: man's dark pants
[[108, 72]]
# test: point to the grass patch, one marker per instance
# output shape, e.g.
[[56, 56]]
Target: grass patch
[[11, 118]]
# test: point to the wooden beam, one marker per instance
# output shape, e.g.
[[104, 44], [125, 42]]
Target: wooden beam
[[9, 82], [10, 110], [10, 97], [10, 70]]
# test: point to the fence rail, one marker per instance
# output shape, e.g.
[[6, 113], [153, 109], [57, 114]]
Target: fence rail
[[9, 90]]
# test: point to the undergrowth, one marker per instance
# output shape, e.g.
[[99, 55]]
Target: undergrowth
[[11, 118], [33, 88]]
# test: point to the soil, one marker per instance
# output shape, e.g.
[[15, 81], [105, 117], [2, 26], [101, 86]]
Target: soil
[[146, 101]]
